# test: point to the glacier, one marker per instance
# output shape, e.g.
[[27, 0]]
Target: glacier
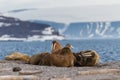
[[19, 30]]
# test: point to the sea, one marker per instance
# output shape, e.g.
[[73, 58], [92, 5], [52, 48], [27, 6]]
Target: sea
[[108, 49]]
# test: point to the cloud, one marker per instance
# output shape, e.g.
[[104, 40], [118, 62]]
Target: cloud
[[12, 4], [66, 11]]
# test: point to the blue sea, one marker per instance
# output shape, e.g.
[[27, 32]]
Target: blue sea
[[108, 49]]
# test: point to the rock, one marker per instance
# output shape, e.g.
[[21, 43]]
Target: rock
[[60, 79], [16, 69], [12, 77], [29, 72], [18, 56], [101, 71]]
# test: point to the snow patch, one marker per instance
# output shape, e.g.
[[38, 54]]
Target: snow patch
[[91, 35], [2, 18], [81, 33], [102, 29], [118, 31], [61, 31], [32, 38], [43, 38], [89, 28], [48, 31], [1, 24], [6, 24]]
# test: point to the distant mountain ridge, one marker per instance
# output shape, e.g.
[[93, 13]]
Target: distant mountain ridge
[[89, 30], [73, 23], [93, 30], [16, 29]]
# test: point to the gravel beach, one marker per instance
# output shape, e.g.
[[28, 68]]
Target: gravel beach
[[62, 73]]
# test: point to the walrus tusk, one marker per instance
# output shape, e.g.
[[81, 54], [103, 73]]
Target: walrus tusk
[[101, 71], [87, 54], [29, 72]]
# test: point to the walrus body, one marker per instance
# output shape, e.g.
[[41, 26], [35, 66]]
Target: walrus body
[[18, 56], [40, 59], [62, 58], [86, 58], [45, 60]]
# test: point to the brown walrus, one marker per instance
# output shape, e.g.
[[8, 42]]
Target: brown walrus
[[56, 46], [18, 56], [40, 59], [78, 61], [45, 60], [62, 58], [86, 58]]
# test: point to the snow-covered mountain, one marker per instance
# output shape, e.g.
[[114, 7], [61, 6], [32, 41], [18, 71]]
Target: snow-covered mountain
[[93, 30], [16, 29], [89, 30], [76, 22]]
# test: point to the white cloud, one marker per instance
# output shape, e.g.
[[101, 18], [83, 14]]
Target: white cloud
[[12, 4], [64, 10]]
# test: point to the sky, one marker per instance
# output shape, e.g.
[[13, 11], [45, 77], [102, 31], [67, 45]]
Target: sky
[[12, 4], [64, 10]]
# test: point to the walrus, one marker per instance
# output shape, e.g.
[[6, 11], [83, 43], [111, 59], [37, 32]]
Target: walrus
[[56, 46], [45, 60], [18, 56], [78, 60], [62, 58], [86, 58], [40, 59]]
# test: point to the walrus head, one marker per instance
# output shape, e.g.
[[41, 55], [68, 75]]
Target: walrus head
[[69, 46], [56, 46], [79, 59], [90, 57], [66, 50]]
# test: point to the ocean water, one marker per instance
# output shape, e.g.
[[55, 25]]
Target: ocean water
[[108, 49]]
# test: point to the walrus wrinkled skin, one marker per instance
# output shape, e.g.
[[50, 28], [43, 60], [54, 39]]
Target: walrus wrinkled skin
[[62, 58], [18, 56], [40, 59], [56, 46], [86, 58]]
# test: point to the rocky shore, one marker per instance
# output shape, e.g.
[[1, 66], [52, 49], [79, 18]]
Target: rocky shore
[[103, 71]]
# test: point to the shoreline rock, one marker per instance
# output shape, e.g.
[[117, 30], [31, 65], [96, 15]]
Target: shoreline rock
[[58, 73]]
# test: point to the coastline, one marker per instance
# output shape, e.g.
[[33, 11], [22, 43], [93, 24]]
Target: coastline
[[62, 73]]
